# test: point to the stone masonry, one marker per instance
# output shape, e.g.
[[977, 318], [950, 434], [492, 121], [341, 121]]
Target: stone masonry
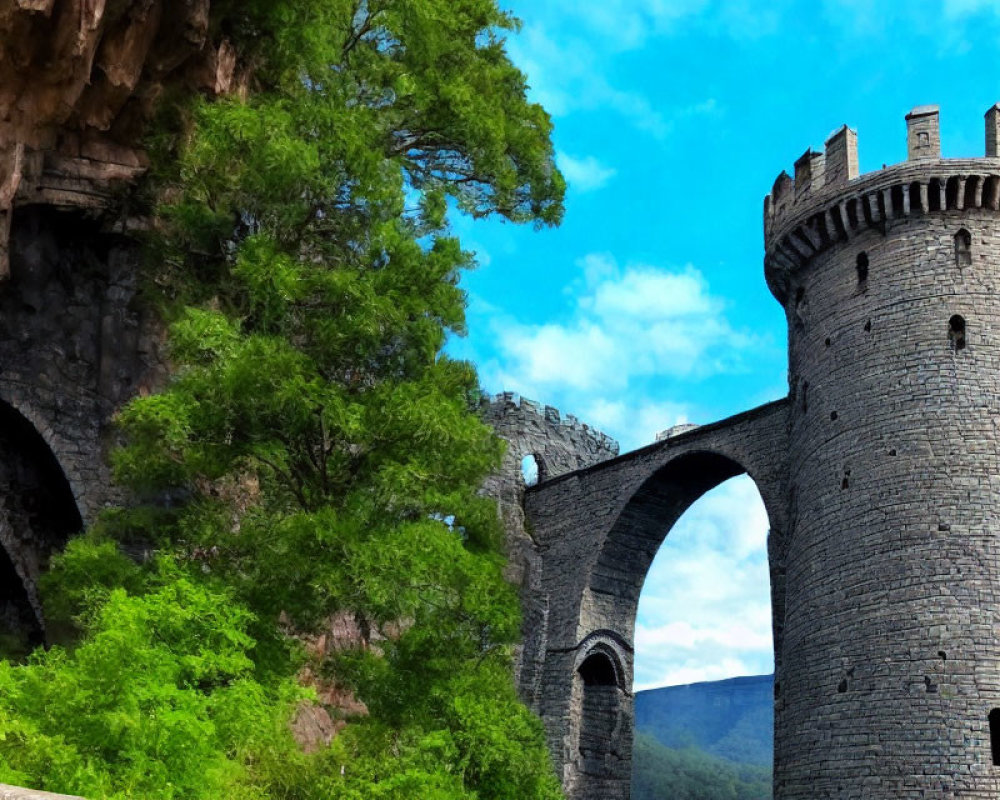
[[558, 445], [593, 533], [879, 473], [74, 346], [17, 793]]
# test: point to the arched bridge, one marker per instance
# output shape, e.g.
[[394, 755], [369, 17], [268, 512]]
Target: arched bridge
[[594, 531]]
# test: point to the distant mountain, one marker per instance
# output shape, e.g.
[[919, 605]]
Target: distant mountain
[[732, 719]]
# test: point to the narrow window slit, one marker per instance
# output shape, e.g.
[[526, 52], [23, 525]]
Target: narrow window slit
[[991, 193], [956, 332], [963, 248], [934, 195], [994, 719], [971, 185], [951, 193], [896, 198], [852, 212], [862, 266]]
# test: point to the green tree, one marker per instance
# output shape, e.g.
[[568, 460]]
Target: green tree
[[319, 452]]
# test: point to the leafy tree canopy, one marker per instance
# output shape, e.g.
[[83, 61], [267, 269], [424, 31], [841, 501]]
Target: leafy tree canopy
[[314, 452]]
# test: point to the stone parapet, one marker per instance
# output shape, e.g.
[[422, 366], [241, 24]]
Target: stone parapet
[[17, 793], [829, 203], [874, 201], [559, 442]]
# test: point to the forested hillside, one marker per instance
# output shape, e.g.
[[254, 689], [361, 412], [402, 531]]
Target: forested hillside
[[307, 481], [732, 719], [665, 773], [712, 740]]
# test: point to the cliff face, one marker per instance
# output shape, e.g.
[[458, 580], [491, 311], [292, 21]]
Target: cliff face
[[80, 78]]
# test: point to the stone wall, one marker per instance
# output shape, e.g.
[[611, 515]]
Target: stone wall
[[74, 346], [879, 475], [559, 444], [17, 793]]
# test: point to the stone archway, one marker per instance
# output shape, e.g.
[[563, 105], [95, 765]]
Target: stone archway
[[632, 541], [38, 514], [608, 613], [594, 531]]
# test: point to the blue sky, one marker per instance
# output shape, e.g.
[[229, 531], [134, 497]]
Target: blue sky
[[648, 306]]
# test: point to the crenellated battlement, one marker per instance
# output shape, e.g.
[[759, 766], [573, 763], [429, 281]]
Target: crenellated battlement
[[533, 415], [828, 202]]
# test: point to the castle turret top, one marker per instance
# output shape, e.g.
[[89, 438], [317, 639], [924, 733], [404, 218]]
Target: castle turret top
[[923, 133], [828, 200]]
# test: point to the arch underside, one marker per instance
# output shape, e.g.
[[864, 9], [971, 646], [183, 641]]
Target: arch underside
[[38, 514], [654, 509]]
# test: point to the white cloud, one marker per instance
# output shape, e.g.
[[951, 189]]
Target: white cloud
[[579, 356], [696, 673], [650, 295], [628, 332], [637, 321], [584, 174], [705, 612], [685, 636], [640, 421]]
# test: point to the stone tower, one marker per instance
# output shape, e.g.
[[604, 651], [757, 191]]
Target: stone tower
[[889, 658]]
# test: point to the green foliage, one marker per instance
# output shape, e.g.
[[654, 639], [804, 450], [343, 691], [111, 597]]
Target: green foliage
[[152, 703], [660, 772], [319, 452]]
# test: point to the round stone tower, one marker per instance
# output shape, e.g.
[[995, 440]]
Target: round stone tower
[[888, 679]]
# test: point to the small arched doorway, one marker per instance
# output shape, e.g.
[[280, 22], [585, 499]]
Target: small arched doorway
[[38, 514], [600, 719]]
